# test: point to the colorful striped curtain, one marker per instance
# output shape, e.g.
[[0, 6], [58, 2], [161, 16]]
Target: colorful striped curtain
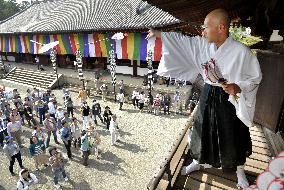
[[134, 46]]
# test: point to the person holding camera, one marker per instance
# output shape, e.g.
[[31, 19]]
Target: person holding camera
[[57, 162], [26, 180], [66, 138]]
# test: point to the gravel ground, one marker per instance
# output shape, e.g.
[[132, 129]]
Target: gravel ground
[[146, 141]]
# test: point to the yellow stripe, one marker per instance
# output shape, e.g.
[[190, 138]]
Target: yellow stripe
[[76, 40], [130, 46], [103, 45], [61, 45]]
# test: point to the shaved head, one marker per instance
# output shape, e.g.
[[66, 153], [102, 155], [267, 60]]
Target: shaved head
[[220, 16], [216, 26]]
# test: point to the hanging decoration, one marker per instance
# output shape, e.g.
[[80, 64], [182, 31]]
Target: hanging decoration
[[79, 64], [150, 71], [112, 69]]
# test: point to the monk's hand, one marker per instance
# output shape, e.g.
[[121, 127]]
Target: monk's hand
[[231, 89]]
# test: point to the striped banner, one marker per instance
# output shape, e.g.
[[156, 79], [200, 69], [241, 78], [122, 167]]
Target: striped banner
[[134, 46]]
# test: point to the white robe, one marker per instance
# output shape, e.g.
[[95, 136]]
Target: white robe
[[183, 57]]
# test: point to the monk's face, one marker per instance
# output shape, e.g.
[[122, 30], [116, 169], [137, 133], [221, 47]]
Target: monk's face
[[211, 29]]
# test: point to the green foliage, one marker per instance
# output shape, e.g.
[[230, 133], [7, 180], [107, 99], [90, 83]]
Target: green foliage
[[242, 35], [9, 8]]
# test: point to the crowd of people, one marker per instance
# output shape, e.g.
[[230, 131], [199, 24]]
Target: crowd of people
[[40, 111]]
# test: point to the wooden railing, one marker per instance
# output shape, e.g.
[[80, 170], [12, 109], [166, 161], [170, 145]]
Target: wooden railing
[[172, 164]]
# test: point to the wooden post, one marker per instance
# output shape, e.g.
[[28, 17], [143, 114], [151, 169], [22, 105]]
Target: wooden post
[[134, 64]]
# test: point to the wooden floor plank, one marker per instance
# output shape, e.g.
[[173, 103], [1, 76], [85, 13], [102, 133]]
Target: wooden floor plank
[[253, 171], [260, 144], [257, 138], [192, 184], [257, 133], [232, 176], [260, 157], [256, 164], [213, 180], [259, 150]]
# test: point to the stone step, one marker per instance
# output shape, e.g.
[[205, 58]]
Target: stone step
[[31, 78], [25, 78], [33, 74]]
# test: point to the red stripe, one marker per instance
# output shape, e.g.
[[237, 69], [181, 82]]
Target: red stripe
[[25, 44], [73, 44], [124, 48], [57, 47], [158, 49], [98, 49]]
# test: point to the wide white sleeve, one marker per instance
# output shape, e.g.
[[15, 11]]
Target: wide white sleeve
[[248, 82], [182, 55]]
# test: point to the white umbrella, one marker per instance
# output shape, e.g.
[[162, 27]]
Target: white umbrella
[[47, 47]]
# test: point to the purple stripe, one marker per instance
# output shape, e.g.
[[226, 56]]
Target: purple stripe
[[111, 41], [143, 47], [86, 45]]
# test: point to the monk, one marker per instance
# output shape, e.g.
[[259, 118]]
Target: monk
[[220, 135]]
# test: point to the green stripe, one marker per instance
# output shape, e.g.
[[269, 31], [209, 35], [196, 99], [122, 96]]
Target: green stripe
[[107, 42], [137, 41], [81, 42], [17, 44]]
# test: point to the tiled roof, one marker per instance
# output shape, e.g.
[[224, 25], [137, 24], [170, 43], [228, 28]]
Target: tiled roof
[[53, 16]]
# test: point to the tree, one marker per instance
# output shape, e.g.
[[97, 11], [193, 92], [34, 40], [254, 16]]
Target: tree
[[9, 8]]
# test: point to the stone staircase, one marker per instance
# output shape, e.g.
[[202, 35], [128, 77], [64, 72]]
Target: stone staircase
[[32, 78]]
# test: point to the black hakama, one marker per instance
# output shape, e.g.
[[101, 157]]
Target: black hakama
[[219, 138]]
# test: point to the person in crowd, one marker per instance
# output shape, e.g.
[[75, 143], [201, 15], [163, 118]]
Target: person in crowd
[[69, 106], [15, 115], [96, 111], [41, 110], [39, 133], [107, 116], [27, 179], [149, 103], [7, 112], [20, 107], [177, 102], [28, 113], [141, 101], [50, 127], [82, 96], [37, 151], [51, 108], [103, 89], [14, 129], [121, 87], [85, 147], [57, 162], [12, 151], [95, 141], [120, 99], [3, 128], [75, 129], [113, 130], [135, 98], [166, 103], [66, 137], [97, 83], [86, 112], [157, 104], [59, 115]]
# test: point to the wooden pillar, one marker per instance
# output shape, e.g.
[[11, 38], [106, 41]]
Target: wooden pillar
[[134, 64]]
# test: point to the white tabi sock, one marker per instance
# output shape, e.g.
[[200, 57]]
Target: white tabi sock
[[194, 166], [242, 180]]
